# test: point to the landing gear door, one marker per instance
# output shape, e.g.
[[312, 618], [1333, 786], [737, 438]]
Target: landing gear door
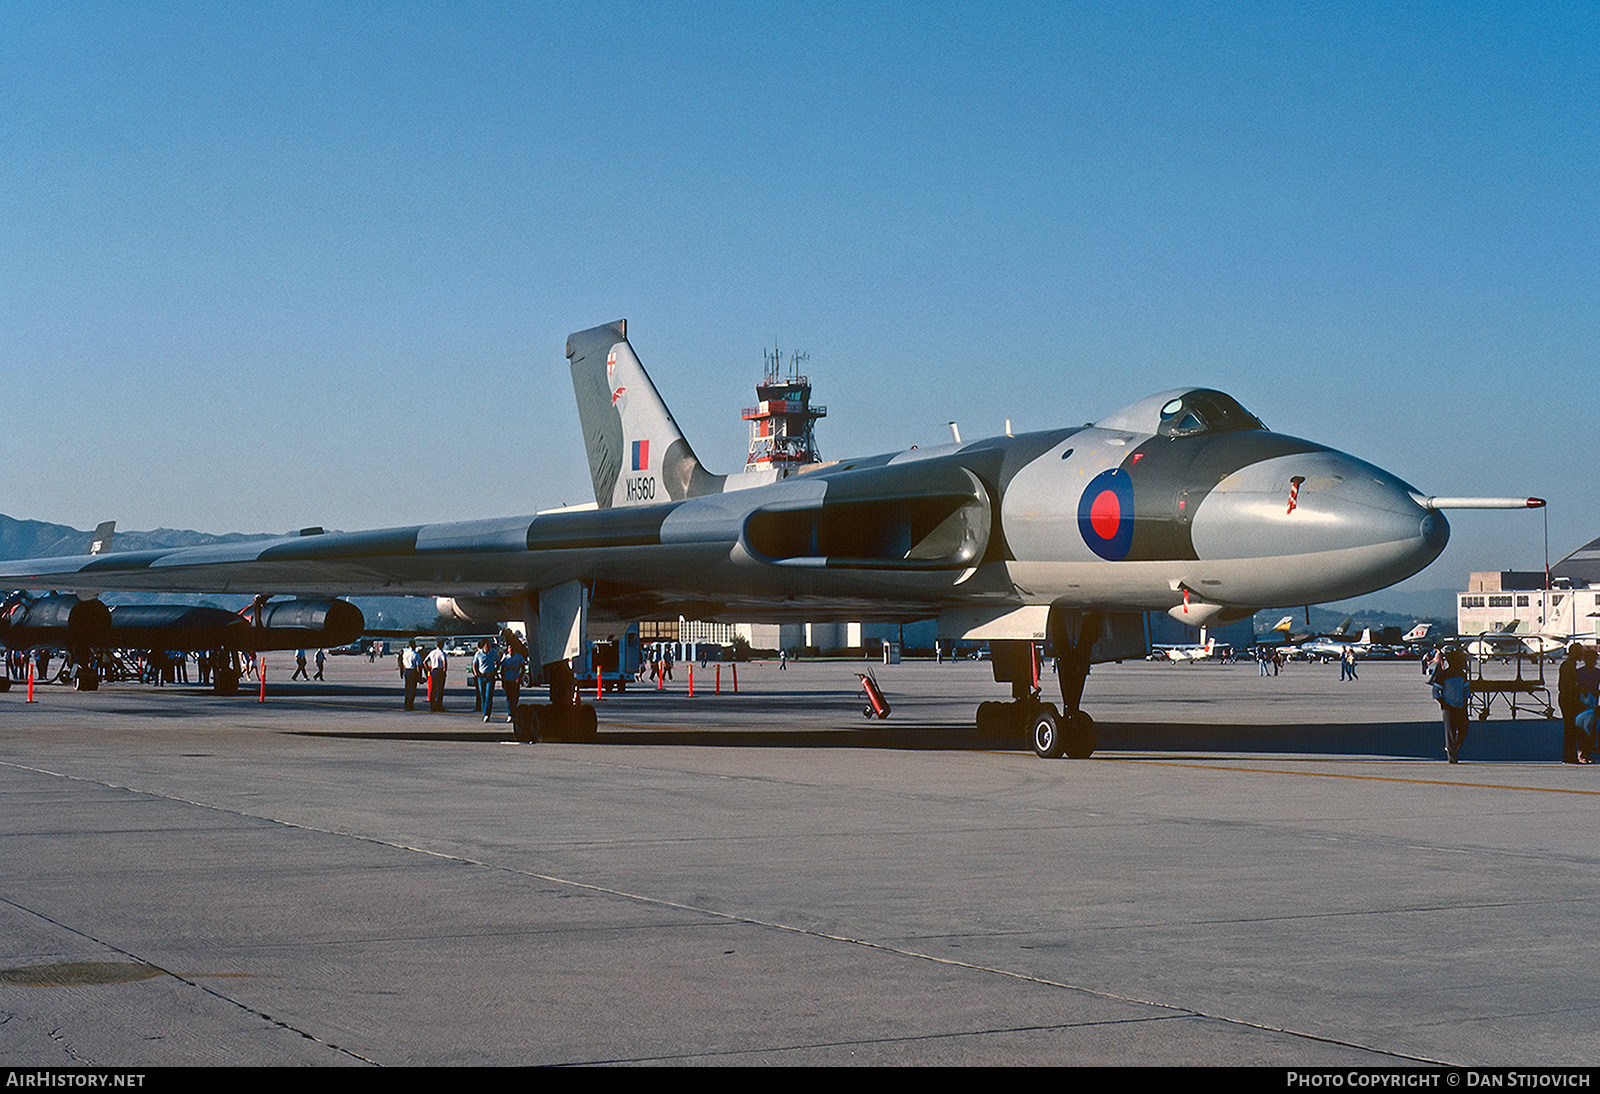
[[1123, 636], [563, 621]]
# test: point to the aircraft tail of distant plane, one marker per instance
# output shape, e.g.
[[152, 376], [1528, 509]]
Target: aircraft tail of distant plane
[[637, 454], [100, 543]]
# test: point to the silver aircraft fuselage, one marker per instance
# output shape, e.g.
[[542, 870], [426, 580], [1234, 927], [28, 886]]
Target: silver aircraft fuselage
[[1131, 513]]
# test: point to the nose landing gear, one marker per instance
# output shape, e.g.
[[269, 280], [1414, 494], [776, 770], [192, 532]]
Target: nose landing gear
[[1071, 732], [1056, 735]]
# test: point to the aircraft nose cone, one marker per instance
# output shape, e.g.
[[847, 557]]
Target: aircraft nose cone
[[1435, 531], [1358, 526]]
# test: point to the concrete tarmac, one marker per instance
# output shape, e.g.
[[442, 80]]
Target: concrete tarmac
[[1249, 871]]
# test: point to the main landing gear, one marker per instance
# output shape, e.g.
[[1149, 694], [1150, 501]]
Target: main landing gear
[[564, 718], [1070, 732]]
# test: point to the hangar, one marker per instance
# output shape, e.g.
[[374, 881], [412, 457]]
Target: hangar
[[1568, 607]]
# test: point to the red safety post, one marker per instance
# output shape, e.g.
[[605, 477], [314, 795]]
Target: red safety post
[[719, 681], [261, 669], [30, 676], [597, 683], [691, 679], [736, 678]]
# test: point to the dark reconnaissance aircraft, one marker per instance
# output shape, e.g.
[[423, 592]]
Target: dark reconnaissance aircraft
[[67, 622], [1183, 502]]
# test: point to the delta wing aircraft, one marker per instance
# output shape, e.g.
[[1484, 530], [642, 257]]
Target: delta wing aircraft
[[1182, 502]]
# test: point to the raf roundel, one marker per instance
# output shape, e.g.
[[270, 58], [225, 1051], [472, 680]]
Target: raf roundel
[[1105, 514]]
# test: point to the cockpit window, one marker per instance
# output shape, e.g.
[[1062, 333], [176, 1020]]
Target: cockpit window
[[1204, 411]]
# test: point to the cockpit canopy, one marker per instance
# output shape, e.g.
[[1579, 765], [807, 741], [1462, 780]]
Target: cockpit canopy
[[1186, 412]]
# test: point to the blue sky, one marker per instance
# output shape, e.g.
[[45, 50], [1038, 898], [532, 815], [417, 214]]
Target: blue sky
[[316, 263]]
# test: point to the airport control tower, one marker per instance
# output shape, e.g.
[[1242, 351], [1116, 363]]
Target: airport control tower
[[782, 435]]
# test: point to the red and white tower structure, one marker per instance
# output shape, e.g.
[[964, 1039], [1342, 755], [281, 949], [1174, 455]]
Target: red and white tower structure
[[782, 433]]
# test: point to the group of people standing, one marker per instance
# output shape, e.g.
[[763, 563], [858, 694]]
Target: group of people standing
[[18, 662], [504, 661], [1577, 692], [1577, 696], [1269, 659]]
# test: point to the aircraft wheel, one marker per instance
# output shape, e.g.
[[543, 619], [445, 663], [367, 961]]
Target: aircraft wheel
[[585, 724], [1049, 742], [555, 723], [1080, 737], [525, 722], [986, 721]]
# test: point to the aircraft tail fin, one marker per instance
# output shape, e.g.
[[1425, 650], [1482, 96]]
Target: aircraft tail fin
[[637, 454], [100, 543], [1284, 624]]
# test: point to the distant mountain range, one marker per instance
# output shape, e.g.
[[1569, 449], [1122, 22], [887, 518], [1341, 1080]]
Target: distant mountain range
[[36, 539], [1413, 605]]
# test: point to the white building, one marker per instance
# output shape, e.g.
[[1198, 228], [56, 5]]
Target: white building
[[1568, 608]]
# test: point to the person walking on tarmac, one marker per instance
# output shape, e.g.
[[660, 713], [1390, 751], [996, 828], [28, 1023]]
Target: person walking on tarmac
[[512, 663], [438, 668], [1451, 689], [299, 666], [484, 666]]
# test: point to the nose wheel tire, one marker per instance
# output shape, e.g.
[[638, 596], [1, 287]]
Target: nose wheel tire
[[1049, 742], [1081, 737], [1056, 735]]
